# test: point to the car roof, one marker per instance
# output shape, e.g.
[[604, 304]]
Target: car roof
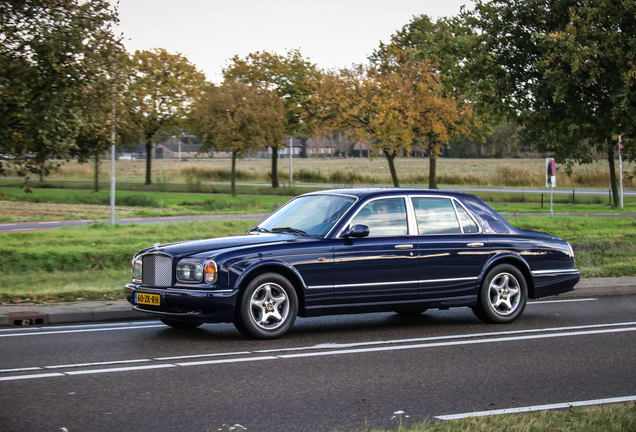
[[380, 191]]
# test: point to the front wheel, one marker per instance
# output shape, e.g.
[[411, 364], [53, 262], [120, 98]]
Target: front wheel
[[267, 308], [503, 295]]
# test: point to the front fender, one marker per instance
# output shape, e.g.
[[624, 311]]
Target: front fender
[[263, 266]]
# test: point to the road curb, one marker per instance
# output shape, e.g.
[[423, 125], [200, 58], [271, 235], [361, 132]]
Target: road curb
[[27, 315]]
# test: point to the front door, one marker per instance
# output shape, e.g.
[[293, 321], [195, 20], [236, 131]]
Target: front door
[[380, 268]]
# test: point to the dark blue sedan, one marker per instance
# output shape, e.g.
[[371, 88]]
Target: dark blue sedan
[[353, 251]]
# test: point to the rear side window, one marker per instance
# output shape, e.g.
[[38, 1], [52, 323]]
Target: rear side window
[[436, 216]]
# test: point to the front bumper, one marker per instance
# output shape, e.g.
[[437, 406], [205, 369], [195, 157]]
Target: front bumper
[[203, 306]]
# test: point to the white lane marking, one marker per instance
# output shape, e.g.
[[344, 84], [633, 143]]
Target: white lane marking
[[444, 344], [79, 331], [333, 346], [202, 355], [123, 369], [20, 369], [97, 363], [536, 408], [561, 301], [323, 353], [52, 222], [464, 336], [23, 377], [209, 362], [79, 326], [22, 229], [8, 224]]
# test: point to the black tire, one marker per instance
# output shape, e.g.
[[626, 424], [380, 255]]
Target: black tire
[[181, 325], [503, 295], [267, 307]]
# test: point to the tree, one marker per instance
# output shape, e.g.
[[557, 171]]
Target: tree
[[291, 77], [390, 107], [238, 117], [161, 89], [563, 69], [443, 44], [51, 54]]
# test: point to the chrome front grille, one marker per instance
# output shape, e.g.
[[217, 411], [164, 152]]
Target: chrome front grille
[[157, 270]]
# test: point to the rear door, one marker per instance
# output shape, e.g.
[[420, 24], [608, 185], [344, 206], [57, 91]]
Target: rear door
[[452, 249]]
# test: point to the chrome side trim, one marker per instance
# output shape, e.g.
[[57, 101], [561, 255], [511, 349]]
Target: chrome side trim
[[393, 283], [450, 280], [375, 284], [549, 272]]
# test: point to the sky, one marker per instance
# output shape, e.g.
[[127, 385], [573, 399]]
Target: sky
[[330, 33]]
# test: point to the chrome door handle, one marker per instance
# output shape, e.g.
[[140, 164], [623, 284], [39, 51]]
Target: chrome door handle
[[475, 244], [404, 246]]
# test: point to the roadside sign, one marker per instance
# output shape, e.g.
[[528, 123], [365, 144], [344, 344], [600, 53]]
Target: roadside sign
[[550, 173]]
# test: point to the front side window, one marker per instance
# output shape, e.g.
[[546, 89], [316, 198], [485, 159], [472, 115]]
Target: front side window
[[384, 217], [435, 216], [312, 215]]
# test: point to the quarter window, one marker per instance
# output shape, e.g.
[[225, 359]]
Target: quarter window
[[468, 224]]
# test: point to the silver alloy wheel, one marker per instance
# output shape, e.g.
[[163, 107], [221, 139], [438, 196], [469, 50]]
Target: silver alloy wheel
[[504, 293], [269, 306]]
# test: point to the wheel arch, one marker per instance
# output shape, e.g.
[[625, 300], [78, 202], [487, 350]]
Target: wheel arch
[[280, 267], [515, 261]]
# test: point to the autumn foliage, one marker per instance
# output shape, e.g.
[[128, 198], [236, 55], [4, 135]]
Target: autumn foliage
[[392, 107]]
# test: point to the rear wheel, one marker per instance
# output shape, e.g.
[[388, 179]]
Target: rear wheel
[[267, 308], [503, 295], [182, 325]]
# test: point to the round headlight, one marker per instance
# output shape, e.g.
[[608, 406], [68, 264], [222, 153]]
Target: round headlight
[[190, 272]]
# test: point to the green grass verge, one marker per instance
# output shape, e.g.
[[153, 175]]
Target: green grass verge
[[603, 247], [147, 201], [90, 262], [601, 418], [93, 262]]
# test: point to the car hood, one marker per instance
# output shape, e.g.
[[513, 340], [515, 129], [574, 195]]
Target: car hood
[[194, 247]]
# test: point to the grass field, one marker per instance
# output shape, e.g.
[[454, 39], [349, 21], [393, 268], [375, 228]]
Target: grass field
[[93, 262], [414, 171], [62, 200], [602, 418]]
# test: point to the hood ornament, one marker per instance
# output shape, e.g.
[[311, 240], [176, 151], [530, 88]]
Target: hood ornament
[[156, 246]]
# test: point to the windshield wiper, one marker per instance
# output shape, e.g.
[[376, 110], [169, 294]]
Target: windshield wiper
[[289, 230], [261, 230]]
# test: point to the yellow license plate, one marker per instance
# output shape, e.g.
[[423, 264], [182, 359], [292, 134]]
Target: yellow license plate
[[149, 299]]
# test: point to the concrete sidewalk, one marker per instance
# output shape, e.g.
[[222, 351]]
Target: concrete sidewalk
[[29, 314]]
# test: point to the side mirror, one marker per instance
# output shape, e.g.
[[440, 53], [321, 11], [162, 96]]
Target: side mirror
[[356, 231]]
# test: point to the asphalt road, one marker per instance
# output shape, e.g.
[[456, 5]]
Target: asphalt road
[[330, 373]]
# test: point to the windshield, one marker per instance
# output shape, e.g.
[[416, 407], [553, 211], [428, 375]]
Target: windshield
[[312, 215]]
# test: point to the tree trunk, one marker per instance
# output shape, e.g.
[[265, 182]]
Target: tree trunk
[[390, 157], [613, 178], [149, 161], [96, 185], [233, 174], [432, 166], [432, 172], [275, 167]]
